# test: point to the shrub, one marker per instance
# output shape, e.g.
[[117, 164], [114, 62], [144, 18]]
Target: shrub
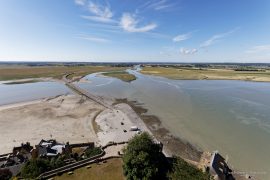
[[182, 170], [91, 152], [35, 167], [57, 162]]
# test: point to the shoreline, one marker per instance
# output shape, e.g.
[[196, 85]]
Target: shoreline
[[210, 74], [172, 145]]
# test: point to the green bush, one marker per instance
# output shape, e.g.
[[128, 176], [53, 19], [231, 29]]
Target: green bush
[[35, 167], [57, 162], [92, 152], [182, 170]]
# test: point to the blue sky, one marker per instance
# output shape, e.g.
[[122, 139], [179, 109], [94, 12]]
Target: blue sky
[[135, 30]]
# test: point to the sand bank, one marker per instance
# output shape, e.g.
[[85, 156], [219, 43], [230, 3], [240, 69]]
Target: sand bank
[[65, 118], [115, 124]]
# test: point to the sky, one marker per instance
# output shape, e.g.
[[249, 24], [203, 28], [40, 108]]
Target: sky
[[135, 30]]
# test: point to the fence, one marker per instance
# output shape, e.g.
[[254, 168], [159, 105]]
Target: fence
[[73, 166]]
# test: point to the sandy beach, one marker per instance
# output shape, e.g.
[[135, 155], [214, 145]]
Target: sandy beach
[[115, 124], [65, 118], [75, 119]]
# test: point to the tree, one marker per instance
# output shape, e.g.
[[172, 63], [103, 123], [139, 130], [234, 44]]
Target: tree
[[35, 167], [182, 170], [142, 158], [57, 162]]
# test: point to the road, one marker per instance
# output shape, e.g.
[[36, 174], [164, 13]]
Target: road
[[77, 89]]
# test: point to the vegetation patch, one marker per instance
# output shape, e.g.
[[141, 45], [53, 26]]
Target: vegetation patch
[[193, 73], [23, 72], [122, 75], [35, 167], [143, 159], [182, 170], [112, 169], [91, 152]]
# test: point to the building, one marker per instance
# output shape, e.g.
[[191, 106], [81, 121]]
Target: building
[[51, 148], [219, 168], [15, 160]]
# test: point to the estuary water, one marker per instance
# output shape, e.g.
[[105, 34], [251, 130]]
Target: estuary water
[[14, 93], [232, 117]]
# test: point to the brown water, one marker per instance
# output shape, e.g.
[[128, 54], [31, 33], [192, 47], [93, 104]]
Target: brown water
[[230, 116]]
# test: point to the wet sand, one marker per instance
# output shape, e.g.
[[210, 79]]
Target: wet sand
[[76, 119], [172, 145]]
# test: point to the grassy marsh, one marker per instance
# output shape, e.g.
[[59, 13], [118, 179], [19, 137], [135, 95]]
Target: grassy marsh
[[207, 73], [122, 75], [23, 72]]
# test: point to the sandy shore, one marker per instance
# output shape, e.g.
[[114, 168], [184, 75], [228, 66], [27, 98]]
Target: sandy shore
[[77, 119], [65, 118], [172, 145], [115, 124], [30, 80]]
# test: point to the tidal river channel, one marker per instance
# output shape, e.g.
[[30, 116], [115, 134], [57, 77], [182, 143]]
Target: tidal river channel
[[232, 117]]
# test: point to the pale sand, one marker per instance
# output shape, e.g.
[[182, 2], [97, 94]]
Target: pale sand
[[65, 118], [110, 120], [48, 79]]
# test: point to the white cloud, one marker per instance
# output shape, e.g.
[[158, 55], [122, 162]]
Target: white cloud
[[182, 37], [259, 49], [99, 19], [80, 2], [100, 13], [216, 38], [93, 39], [100, 10], [185, 51], [158, 4], [130, 23]]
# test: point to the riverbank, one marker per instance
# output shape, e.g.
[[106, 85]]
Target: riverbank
[[207, 74], [62, 117], [67, 118], [172, 145]]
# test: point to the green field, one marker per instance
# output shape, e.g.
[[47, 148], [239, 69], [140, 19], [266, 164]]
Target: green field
[[123, 75], [23, 72], [207, 73], [112, 169]]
